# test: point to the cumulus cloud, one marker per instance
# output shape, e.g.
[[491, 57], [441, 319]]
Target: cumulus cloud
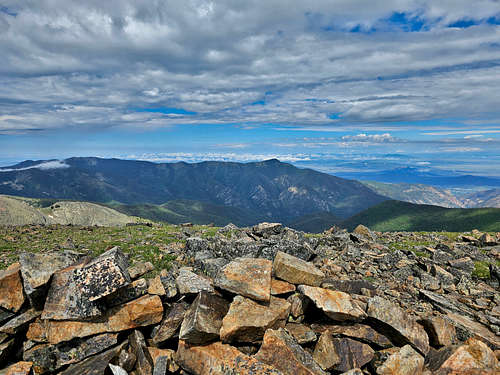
[[53, 164], [69, 63], [373, 138]]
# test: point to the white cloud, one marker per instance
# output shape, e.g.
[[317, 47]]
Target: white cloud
[[373, 138], [48, 165]]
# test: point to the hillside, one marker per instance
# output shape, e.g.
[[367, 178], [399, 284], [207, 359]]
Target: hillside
[[276, 191], [20, 211], [487, 198], [416, 193], [403, 216]]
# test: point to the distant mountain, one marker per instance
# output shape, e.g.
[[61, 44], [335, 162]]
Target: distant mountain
[[403, 216], [487, 198], [413, 175], [416, 193], [21, 211], [268, 190], [314, 223]]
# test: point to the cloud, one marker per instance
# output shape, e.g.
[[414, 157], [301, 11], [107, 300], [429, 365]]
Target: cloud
[[48, 165], [372, 138]]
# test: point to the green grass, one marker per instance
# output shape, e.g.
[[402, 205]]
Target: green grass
[[481, 270]]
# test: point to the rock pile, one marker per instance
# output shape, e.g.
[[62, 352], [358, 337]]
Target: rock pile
[[261, 300]]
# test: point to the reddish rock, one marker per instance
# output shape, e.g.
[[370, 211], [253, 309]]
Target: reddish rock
[[295, 270], [19, 368], [247, 321], [220, 359], [281, 287], [248, 277], [11, 288], [281, 351], [405, 361], [336, 305]]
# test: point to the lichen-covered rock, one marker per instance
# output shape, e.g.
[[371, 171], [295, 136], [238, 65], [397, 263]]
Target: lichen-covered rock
[[405, 361], [203, 320], [171, 323], [247, 321], [104, 275], [190, 283], [295, 270], [341, 354], [5, 349], [139, 269], [220, 359], [281, 351], [135, 289], [248, 277], [336, 305], [19, 368], [395, 322], [94, 365], [471, 328], [11, 288], [20, 321]]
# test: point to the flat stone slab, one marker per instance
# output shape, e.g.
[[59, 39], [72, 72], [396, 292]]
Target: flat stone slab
[[247, 321], [473, 328], [249, 277], [362, 333], [295, 270], [336, 305], [406, 361], [171, 323], [397, 325], [279, 287], [17, 323], [190, 283], [341, 354], [11, 288]]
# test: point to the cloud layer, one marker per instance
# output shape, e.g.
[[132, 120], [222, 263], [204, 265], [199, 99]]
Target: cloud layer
[[93, 64]]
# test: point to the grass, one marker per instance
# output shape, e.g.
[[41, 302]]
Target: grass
[[481, 270]]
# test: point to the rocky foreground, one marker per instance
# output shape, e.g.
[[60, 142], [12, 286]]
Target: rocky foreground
[[261, 300]]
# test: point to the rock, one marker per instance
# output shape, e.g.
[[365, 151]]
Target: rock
[[134, 290], [190, 283], [203, 319], [296, 271], [104, 275], [143, 311], [442, 275], [465, 264], [406, 361], [487, 240], [117, 370], [299, 304], [156, 287], [246, 321], [161, 366], [220, 359], [440, 332], [94, 365], [445, 305], [37, 269], [354, 371], [211, 266], [127, 359], [248, 277], [144, 362], [5, 349], [171, 323], [19, 322], [365, 232], [472, 355], [470, 328], [19, 368], [139, 269], [336, 305], [341, 354], [65, 300], [301, 333], [267, 229], [11, 288], [281, 351], [359, 332], [279, 287], [168, 354], [5, 315], [396, 324], [347, 286]]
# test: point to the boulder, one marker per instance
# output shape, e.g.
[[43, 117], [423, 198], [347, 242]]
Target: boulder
[[341, 354], [103, 275], [117, 370], [360, 332], [279, 287], [440, 332], [134, 290], [395, 323], [171, 323], [301, 333], [190, 283], [248, 277], [203, 319], [464, 264], [267, 229], [95, 365], [20, 321], [295, 270], [139, 269], [336, 305], [299, 304], [163, 355], [247, 321], [19, 368], [220, 359], [365, 232], [144, 362], [11, 288], [406, 361], [470, 328], [281, 351]]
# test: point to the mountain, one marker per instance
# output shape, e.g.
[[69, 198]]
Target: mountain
[[268, 190], [404, 216], [413, 175], [416, 193], [487, 198], [21, 211]]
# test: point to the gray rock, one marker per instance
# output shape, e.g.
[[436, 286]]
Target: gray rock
[[144, 363], [190, 283], [171, 323], [211, 266], [20, 321], [117, 370], [161, 366], [95, 365], [341, 354]]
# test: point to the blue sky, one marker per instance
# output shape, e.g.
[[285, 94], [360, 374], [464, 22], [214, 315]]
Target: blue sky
[[335, 85]]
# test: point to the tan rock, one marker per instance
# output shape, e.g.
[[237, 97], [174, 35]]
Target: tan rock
[[19, 368], [156, 287], [406, 361], [20, 321], [281, 351], [301, 333], [220, 359], [157, 353], [474, 329], [139, 269], [397, 325], [341, 354], [295, 270], [440, 331], [281, 287], [247, 321], [336, 305], [299, 304], [472, 355], [11, 288], [141, 312], [248, 277], [360, 332]]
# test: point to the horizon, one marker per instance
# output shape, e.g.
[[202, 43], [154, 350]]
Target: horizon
[[342, 88]]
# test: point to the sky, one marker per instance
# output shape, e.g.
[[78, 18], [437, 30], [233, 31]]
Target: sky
[[336, 85]]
